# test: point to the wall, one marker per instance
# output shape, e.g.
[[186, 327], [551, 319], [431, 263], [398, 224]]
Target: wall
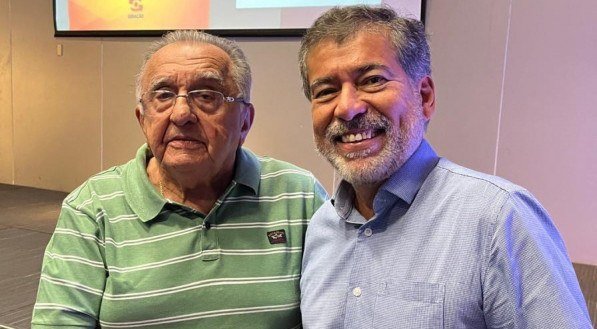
[[6, 154], [515, 83]]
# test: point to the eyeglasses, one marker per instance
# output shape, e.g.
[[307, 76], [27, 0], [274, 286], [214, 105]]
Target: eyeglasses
[[206, 100]]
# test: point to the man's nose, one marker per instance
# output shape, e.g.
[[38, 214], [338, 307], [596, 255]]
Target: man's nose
[[349, 104], [182, 111]]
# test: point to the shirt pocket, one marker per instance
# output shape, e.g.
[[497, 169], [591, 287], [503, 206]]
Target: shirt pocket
[[409, 305]]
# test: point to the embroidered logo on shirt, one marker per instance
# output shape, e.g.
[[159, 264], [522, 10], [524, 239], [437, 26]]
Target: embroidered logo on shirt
[[277, 236]]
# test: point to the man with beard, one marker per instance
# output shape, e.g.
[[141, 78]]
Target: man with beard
[[411, 240]]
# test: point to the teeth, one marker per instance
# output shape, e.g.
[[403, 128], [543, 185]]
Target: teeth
[[357, 137]]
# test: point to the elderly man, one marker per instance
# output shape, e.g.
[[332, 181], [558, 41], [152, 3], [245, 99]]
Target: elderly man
[[195, 231], [411, 240]]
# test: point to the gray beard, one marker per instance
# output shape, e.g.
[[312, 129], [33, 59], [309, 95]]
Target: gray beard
[[359, 168]]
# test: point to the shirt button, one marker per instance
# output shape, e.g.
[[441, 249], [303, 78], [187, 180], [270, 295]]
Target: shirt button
[[357, 292], [368, 232]]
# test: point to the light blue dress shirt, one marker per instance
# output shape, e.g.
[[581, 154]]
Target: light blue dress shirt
[[448, 247]]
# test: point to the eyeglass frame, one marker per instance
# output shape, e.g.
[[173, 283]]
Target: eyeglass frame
[[226, 99]]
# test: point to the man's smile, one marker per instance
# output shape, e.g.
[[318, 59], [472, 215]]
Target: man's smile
[[358, 136]]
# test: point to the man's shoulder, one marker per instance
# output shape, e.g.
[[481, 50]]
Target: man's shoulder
[[269, 164], [482, 192], [275, 168], [106, 182], [469, 178], [278, 176], [325, 213]]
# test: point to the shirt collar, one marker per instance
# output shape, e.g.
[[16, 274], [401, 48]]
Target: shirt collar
[[147, 202], [140, 194], [404, 183], [247, 170], [408, 179]]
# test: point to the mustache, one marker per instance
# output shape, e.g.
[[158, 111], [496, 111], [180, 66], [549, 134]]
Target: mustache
[[361, 122]]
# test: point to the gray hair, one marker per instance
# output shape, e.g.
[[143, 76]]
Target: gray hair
[[341, 24], [240, 70]]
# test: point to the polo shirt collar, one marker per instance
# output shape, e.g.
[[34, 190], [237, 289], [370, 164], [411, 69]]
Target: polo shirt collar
[[140, 194], [247, 169], [404, 183], [147, 202]]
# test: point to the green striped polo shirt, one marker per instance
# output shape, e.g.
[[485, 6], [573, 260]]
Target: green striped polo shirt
[[122, 256]]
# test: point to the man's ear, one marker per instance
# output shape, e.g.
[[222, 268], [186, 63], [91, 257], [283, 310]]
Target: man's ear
[[427, 91], [247, 116], [140, 116]]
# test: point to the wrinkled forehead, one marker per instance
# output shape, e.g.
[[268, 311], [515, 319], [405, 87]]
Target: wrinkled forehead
[[188, 60]]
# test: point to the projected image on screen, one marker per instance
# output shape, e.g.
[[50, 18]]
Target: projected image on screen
[[235, 16]]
